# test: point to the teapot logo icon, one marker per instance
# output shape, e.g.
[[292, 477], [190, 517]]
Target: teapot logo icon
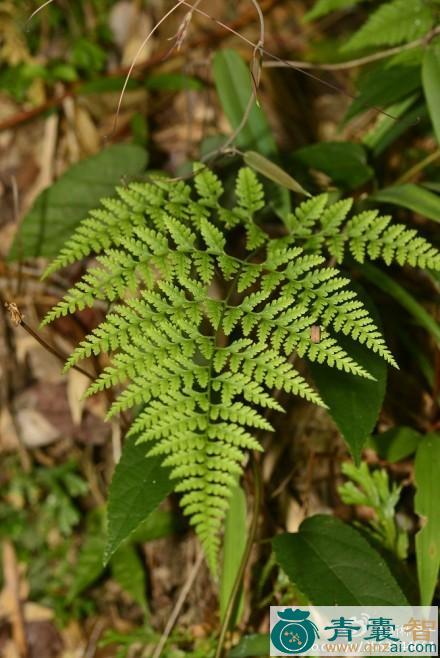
[[294, 633]]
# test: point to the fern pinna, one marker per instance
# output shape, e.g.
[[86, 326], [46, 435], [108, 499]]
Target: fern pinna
[[209, 310]]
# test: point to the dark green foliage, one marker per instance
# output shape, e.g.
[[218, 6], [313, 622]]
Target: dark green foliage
[[59, 209], [334, 565], [138, 486]]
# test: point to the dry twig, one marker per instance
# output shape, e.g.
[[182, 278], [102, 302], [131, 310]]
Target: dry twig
[[12, 587], [178, 606]]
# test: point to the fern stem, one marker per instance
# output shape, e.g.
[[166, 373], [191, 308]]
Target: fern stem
[[210, 365], [245, 558]]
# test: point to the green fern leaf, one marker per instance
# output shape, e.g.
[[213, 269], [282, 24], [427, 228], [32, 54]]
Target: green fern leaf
[[202, 328], [392, 23]]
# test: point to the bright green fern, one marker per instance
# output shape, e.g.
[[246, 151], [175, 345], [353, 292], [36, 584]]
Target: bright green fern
[[207, 311]]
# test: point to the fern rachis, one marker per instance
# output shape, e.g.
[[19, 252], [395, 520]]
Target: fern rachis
[[202, 329]]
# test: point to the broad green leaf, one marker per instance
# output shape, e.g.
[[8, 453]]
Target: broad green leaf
[[251, 646], [58, 209], [160, 523], [344, 162], [417, 115], [332, 564], [234, 543], [64, 72], [89, 565], [127, 569], [434, 186], [419, 352], [397, 443], [125, 565], [234, 87], [411, 196], [394, 22], [323, 7], [88, 56], [384, 86], [431, 84], [105, 85], [139, 484], [272, 171], [386, 129], [404, 298], [354, 402], [426, 505], [173, 82]]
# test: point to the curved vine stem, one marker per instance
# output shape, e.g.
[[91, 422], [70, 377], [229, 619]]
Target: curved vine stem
[[245, 558]]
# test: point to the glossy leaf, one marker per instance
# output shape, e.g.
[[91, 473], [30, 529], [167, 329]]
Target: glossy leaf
[[139, 484], [332, 564], [426, 505], [59, 209]]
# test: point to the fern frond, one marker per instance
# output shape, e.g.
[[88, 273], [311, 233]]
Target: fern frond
[[326, 229], [367, 233], [201, 332], [392, 23], [323, 7]]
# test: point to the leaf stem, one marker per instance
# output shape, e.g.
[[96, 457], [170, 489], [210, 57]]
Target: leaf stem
[[17, 320]]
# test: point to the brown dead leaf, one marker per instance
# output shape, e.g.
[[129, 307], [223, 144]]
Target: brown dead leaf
[[130, 27], [36, 612], [43, 640], [295, 515], [9, 650], [86, 131], [122, 17], [35, 430], [44, 365], [8, 434], [73, 639], [77, 384]]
